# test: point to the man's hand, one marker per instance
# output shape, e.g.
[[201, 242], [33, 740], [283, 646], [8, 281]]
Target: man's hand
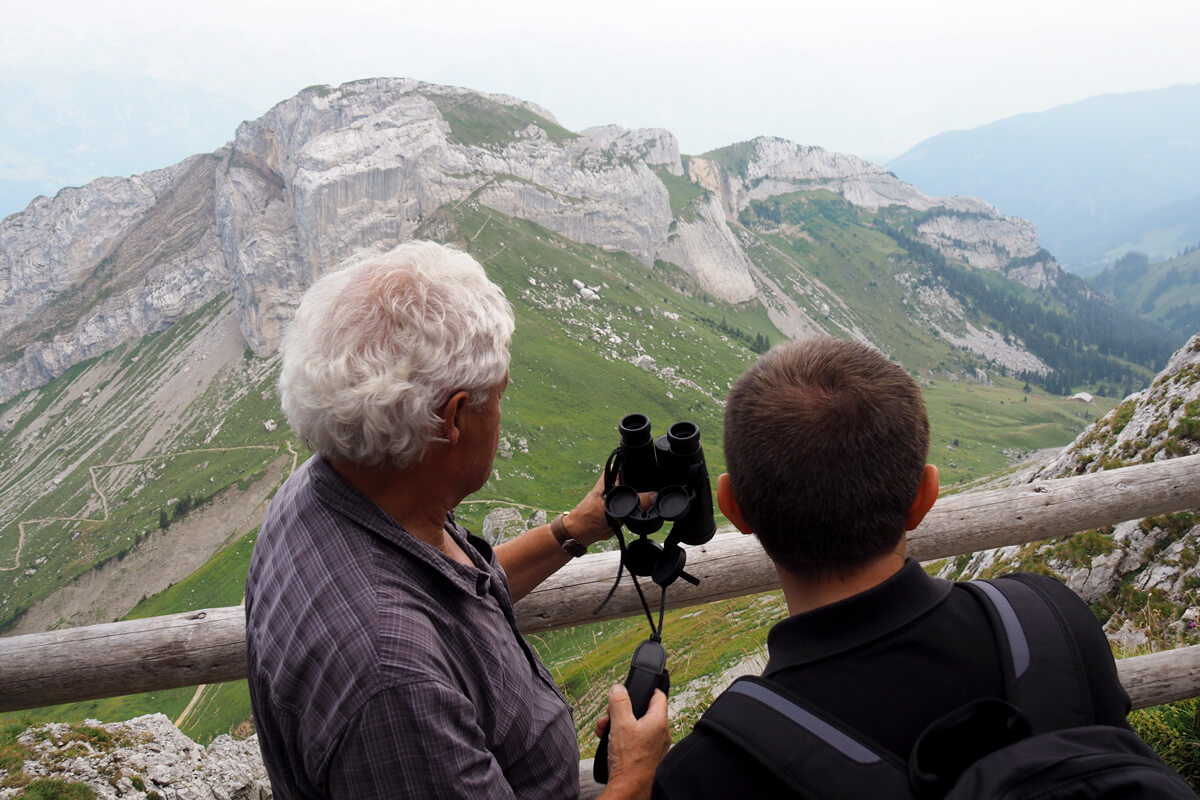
[[587, 523], [635, 746]]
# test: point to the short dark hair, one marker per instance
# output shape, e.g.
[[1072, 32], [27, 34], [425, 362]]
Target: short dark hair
[[825, 442]]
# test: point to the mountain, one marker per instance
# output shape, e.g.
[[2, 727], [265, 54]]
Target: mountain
[[1160, 234], [140, 316], [334, 170], [1097, 177], [1167, 292]]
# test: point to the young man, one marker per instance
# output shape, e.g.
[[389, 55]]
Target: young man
[[826, 443]]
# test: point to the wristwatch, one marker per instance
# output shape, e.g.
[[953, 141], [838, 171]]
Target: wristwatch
[[558, 527]]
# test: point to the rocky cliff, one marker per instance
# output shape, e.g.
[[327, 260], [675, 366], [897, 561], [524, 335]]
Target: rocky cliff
[[1142, 575], [103, 264], [962, 228], [332, 171]]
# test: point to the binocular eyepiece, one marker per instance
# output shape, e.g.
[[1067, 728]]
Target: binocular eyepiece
[[673, 466]]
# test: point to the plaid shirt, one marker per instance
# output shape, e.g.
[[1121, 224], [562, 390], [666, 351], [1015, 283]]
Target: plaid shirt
[[379, 667]]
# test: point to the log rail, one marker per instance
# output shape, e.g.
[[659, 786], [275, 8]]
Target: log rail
[[207, 646]]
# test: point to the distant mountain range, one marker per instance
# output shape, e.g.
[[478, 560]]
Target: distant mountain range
[[1098, 178]]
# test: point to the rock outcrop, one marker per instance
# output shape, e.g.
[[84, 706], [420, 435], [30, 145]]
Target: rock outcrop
[[1142, 573], [962, 228], [713, 254], [146, 758], [99, 265], [1162, 421], [333, 171]]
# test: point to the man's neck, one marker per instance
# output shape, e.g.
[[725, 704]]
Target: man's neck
[[408, 496], [805, 594]]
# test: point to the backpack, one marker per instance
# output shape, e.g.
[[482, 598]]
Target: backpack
[[1038, 742]]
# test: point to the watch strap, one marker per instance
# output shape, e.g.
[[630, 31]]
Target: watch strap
[[558, 527]]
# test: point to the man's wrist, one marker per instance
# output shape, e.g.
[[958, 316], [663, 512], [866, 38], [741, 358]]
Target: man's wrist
[[569, 545]]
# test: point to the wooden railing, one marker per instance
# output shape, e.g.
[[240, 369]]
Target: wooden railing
[[207, 646]]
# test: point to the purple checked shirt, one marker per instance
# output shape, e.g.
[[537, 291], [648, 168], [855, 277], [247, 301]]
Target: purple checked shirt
[[379, 667]]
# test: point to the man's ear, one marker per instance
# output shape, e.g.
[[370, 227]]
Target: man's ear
[[729, 504], [927, 494], [451, 416]]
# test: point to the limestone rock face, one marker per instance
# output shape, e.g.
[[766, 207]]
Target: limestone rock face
[[966, 229], [329, 173], [713, 253], [145, 757], [986, 241], [99, 265], [332, 172], [319, 177], [655, 146]]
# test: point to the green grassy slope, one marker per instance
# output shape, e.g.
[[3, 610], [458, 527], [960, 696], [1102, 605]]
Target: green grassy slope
[[572, 372], [90, 467]]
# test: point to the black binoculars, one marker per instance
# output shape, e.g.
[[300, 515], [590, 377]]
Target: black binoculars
[[673, 466]]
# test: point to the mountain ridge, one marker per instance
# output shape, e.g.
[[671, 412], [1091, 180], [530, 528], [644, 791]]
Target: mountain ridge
[[333, 170]]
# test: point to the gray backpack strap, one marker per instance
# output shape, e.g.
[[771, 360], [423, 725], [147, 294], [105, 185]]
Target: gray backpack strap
[[816, 756], [1044, 674]]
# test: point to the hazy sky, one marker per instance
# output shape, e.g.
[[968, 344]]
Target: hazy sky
[[871, 78]]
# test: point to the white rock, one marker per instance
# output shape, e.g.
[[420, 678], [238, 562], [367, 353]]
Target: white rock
[[150, 748], [501, 524]]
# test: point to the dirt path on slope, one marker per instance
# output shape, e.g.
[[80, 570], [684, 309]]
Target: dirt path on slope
[[163, 559]]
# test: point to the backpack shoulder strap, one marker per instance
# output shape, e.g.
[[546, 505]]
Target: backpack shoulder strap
[[815, 755], [1044, 675]]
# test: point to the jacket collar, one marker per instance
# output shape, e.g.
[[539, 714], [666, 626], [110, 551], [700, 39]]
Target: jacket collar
[[855, 621]]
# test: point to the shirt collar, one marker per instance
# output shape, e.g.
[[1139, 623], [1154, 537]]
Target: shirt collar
[[341, 496], [855, 621]]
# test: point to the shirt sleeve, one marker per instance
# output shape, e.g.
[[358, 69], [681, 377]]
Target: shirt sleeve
[[417, 740]]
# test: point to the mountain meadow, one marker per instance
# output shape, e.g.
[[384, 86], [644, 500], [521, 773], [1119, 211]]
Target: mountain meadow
[[140, 431]]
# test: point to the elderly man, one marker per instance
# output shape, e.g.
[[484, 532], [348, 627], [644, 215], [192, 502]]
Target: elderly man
[[383, 653]]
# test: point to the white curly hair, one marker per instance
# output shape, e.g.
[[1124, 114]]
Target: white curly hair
[[378, 346]]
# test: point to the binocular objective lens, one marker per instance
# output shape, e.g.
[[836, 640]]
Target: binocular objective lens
[[621, 501], [673, 502]]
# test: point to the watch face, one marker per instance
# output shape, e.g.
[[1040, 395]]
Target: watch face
[[573, 548]]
